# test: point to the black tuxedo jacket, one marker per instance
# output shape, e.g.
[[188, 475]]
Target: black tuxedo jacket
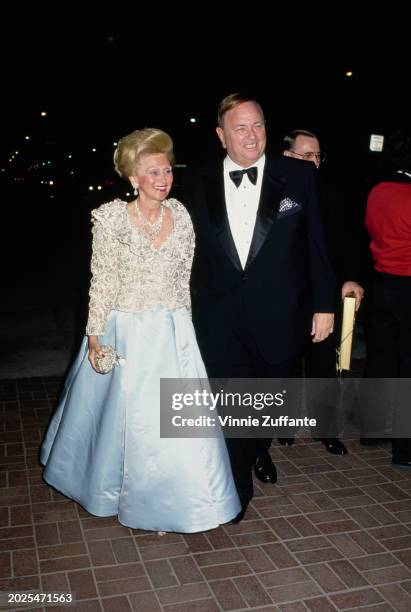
[[287, 276]]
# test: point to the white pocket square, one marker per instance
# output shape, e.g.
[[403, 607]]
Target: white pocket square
[[287, 204]]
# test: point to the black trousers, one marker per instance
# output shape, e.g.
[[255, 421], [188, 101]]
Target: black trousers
[[243, 359], [320, 362], [389, 356]]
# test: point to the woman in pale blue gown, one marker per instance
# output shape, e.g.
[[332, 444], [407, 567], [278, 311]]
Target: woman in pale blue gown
[[103, 447]]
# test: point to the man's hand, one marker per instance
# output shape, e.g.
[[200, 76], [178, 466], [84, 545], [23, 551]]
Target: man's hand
[[356, 289], [323, 326]]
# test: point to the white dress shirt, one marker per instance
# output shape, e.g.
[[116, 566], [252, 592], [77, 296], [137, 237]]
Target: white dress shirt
[[242, 205]]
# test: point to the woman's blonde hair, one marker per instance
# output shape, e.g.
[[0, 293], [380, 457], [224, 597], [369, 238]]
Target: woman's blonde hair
[[131, 148]]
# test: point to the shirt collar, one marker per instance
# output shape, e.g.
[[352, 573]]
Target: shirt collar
[[229, 164]]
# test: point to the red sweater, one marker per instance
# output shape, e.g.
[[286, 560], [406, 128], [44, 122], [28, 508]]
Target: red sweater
[[388, 221]]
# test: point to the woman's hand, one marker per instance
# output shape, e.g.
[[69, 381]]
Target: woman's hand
[[93, 350]]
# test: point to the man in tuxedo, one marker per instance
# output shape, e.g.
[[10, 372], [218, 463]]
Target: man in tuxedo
[[320, 359], [260, 264]]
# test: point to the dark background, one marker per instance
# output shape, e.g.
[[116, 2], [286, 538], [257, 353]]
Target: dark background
[[103, 74]]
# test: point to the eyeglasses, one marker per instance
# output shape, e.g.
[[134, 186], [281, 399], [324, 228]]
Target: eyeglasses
[[310, 155]]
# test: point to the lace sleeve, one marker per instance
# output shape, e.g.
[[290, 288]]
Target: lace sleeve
[[189, 245], [104, 267]]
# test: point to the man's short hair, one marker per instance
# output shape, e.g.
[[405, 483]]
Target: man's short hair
[[230, 102], [290, 138]]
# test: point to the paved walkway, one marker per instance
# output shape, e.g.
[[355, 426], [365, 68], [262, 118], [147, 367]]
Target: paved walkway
[[38, 332], [333, 534]]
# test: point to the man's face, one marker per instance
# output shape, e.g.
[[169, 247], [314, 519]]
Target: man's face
[[243, 134], [306, 148]]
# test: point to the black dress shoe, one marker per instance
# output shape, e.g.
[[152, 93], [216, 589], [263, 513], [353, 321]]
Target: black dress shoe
[[286, 441], [402, 463], [333, 446], [264, 469]]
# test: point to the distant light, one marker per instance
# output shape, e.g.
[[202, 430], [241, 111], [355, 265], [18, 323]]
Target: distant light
[[94, 149], [43, 114], [376, 142], [193, 120], [51, 182], [69, 156], [16, 152], [91, 188], [3, 169], [99, 187], [115, 144], [48, 161], [27, 138], [348, 73], [72, 172]]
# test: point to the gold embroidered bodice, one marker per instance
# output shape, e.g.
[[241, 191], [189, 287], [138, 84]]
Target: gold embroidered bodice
[[128, 273]]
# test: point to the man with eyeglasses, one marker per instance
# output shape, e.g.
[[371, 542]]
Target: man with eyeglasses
[[320, 359], [303, 144]]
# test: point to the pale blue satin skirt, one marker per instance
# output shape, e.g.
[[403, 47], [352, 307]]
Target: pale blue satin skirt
[[103, 447]]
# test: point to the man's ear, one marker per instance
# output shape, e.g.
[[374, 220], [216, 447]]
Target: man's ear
[[220, 134]]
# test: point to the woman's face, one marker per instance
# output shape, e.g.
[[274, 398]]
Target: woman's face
[[154, 177]]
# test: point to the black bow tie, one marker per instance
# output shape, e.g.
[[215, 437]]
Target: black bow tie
[[237, 175]]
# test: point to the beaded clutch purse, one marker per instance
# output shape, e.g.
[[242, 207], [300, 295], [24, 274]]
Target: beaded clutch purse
[[106, 364]]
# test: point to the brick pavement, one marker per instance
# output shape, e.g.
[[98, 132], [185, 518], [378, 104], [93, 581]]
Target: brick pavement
[[333, 534]]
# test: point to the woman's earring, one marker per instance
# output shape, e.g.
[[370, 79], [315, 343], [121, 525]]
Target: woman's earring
[[136, 191]]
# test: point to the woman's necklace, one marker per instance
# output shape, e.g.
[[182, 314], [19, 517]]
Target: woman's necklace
[[152, 229]]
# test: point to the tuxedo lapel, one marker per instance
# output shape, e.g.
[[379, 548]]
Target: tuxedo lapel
[[271, 193], [217, 209]]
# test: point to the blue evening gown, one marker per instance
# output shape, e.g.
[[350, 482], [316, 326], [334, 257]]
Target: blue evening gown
[[103, 447]]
